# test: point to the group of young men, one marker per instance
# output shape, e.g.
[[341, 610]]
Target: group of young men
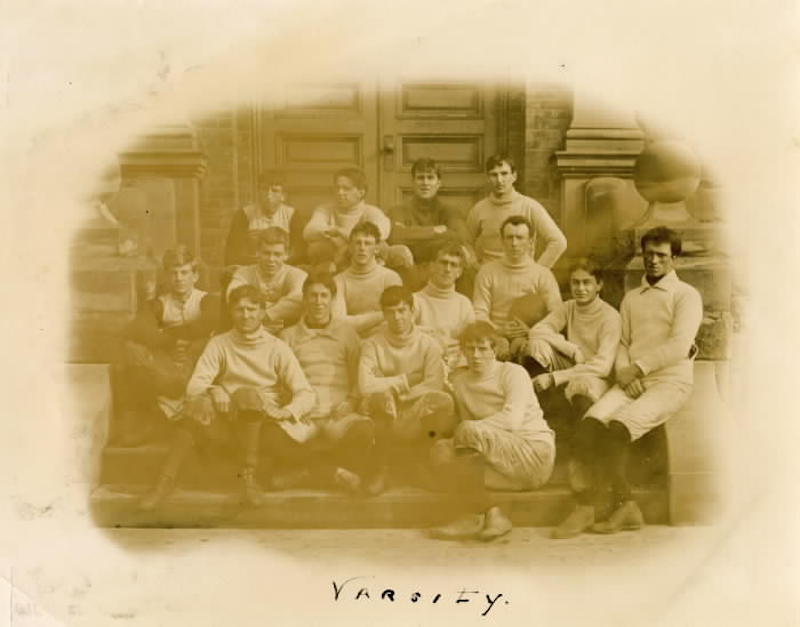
[[418, 346]]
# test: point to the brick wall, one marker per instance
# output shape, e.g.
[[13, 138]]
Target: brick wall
[[548, 112]]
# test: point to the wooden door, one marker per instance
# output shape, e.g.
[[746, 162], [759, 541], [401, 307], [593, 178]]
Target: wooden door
[[454, 123], [317, 130]]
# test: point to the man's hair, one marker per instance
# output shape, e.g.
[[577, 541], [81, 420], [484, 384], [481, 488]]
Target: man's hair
[[269, 178], [451, 250], [320, 278], [366, 228], [272, 235], [179, 256], [250, 292], [396, 294], [477, 332], [515, 221], [587, 265], [663, 235], [426, 165], [496, 161], [358, 178]]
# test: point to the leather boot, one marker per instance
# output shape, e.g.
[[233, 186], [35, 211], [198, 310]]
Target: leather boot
[[627, 516], [579, 520], [497, 525], [163, 488]]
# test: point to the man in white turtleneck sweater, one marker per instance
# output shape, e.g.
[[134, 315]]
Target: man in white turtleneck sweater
[[401, 377], [501, 285], [575, 344], [359, 287], [439, 309], [248, 379], [486, 216]]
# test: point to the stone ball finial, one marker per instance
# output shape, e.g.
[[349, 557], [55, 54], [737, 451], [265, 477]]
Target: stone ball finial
[[666, 171]]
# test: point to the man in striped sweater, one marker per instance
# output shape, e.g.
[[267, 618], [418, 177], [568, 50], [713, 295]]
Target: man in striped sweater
[[654, 376], [328, 351]]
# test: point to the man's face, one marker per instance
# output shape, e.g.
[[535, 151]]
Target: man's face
[[446, 270], [426, 184], [516, 241], [362, 249], [347, 194], [479, 355], [317, 301], [247, 315], [271, 257], [584, 287], [182, 279], [399, 318], [275, 196], [658, 259], [502, 179]]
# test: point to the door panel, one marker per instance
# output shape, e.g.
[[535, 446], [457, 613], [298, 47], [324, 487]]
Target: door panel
[[317, 130], [453, 123]]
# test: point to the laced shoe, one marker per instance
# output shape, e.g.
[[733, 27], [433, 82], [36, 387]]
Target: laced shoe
[[497, 525], [468, 526], [579, 520], [627, 516], [163, 488]]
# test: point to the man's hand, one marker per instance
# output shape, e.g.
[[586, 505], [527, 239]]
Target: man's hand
[[635, 388], [514, 329], [627, 374], [279, 414], [543, 382], [221, 400], [577, 355], [343, 409]]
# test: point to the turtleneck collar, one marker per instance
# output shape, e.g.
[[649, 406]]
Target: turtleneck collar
[[504, 200], [361, 271], [590, 308], [439, 292], [523, 263], [401, 341], [252, 338]]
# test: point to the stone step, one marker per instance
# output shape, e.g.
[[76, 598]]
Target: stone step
[[402, 507]]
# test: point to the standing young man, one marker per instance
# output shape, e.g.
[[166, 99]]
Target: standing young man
[[161, 347], [401, 377], [280, 284], [439, 309], [503, 201], [328, 351], [248, 380], [501, 443], [424, 223], [360, 285], [654, 376], [514, 292]]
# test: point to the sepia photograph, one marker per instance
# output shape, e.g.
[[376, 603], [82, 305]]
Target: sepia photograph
[[383, 331]]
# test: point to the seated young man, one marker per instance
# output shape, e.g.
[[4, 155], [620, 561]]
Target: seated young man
[[270, 210], [359, 287], [572, 349], [247, 381], [401, 378], [328, 231], [425, 224], [439, 309], [515, 292], [501, 442], [654, 375], [328, 351], [161, 346], [487, 215], [281, 285]]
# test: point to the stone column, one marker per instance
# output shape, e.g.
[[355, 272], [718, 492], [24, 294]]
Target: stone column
[[598, 198]]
